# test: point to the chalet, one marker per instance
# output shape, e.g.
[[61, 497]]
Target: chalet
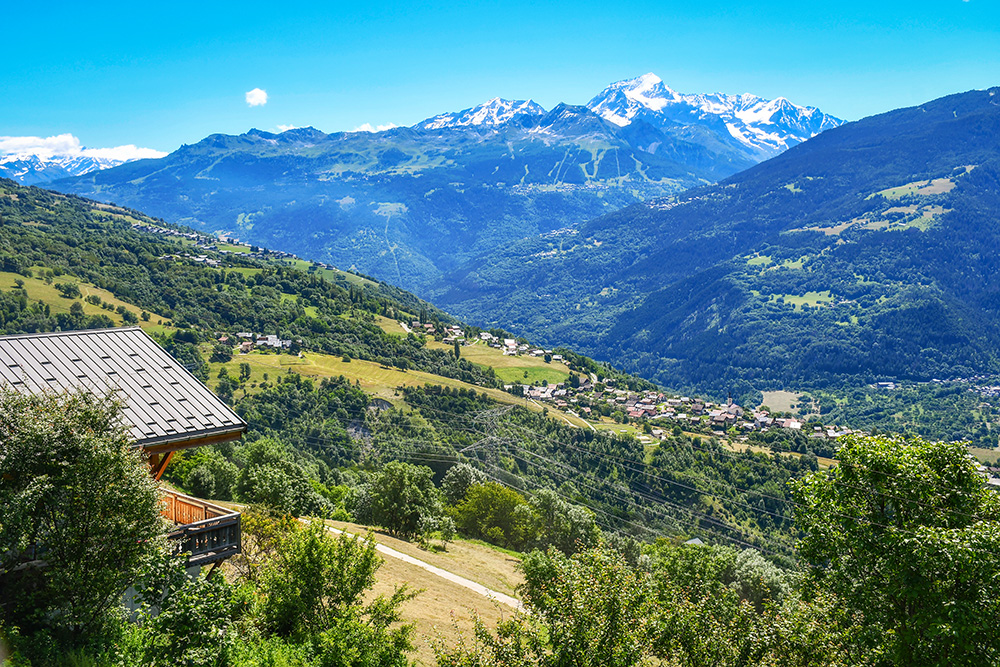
[[165, 407]]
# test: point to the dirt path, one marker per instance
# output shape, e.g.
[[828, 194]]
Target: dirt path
[[503, 598]]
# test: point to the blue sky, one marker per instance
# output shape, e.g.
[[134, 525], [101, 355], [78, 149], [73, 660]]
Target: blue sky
[[162, 74]]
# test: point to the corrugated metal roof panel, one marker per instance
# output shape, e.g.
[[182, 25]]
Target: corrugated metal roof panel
[[162, 401]]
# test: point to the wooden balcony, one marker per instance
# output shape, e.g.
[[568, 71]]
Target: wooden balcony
[[208, 533]]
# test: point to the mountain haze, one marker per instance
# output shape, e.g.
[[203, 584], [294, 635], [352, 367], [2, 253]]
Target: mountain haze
[[412, 204], [869, 251]]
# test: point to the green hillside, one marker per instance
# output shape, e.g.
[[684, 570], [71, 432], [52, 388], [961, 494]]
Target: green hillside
[[349, 348], [864, 254]]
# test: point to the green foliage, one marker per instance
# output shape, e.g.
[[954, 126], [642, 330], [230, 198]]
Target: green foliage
[[69, 290], [401, 495], [81, 512], [906, 534], [270, 476], [221, 353], [457, 481], [314, 586], [70, 236], [185, 620], [567, 527], [595, 608], [497, 514]]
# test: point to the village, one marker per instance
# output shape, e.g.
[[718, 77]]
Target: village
[[591, 397]]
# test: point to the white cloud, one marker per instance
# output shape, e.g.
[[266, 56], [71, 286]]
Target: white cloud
[[61, 144], [286, 128], [256, 97], [127, 152], [368, 127], [67, 145]]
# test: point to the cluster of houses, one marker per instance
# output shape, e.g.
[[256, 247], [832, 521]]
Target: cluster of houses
[[200, 240], [251, 341], [510, 347], [657, 407]]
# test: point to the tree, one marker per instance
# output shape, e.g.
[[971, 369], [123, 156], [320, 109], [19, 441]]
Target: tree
[[401, 494], [72, 487], [906, 533], [497, 514], [458, 350], [315, 584], [69, 290], [221, 353], [271, 477], [457, 481], [567, 527]]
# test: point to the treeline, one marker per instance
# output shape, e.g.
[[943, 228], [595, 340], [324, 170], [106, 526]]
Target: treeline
[[74, 241], [318, 449]]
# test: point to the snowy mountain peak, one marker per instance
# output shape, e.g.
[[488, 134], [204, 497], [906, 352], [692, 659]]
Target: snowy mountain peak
[[622, 101], [763, 127], [32, 160], [494, 112]]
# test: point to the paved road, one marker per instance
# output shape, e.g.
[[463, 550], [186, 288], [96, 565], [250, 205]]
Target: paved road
[[511, 602]]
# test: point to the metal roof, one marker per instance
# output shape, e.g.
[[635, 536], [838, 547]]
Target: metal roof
[[162, 401]]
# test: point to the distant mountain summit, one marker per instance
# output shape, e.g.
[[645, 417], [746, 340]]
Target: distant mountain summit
[[34, 160], [32, 169], [762, 128], [493, 113], [412, 204]]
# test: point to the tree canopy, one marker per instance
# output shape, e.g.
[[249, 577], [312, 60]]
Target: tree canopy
[[908, 535], [80, 510]]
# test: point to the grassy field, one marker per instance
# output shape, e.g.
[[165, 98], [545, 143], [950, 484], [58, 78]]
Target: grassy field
[[373, 378], [935, 187], [807, 299], [986, 456], [512, 370], [38, 290], [760, 260], [781, 401], [444, 609], [390, 326]]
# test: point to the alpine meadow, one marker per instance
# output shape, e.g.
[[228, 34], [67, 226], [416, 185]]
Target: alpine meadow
[[441, 335]]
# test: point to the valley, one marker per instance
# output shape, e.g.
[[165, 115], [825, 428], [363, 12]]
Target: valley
[[648, 396]]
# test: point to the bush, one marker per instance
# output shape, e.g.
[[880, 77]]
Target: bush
[[401, 495], [496, 514], [72, 485]]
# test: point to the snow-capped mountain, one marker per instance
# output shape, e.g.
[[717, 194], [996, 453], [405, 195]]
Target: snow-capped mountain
[[31, 169], [34, 160], [495, 112], [764, 127]]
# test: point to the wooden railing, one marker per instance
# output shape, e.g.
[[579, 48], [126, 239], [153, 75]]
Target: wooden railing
[[207, 532]]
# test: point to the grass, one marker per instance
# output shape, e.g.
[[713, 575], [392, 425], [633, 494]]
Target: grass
[[986, 456], [760, 260], [38, 290], [389, 326], [512, 370], [808, 299], [375, 379], [443, 610], [936, 186], [780, 401]]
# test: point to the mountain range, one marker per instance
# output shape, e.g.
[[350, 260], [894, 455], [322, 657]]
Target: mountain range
[[868, 252], [32, 169], [413, 204]]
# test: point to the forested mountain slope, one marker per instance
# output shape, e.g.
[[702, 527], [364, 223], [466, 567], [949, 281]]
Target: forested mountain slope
[[410, 204], [315, 435], [869, 251]]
